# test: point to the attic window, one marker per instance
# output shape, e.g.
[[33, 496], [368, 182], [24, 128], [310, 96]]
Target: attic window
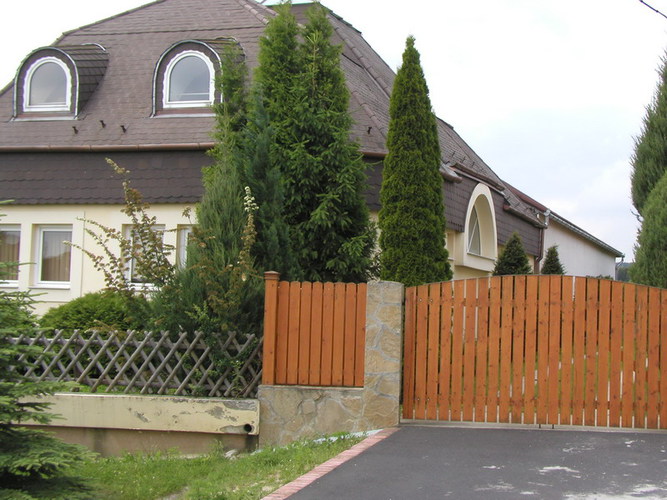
[[47, 86], [474, 237], [189, 81]]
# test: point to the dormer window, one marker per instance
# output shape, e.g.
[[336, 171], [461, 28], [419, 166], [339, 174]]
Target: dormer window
[[47, 86], [189, 81]]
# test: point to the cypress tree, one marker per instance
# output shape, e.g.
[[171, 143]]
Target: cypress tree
[[650, 266], [552, 264], [513, 258], [412, 220], [307, 102], [649, 160]]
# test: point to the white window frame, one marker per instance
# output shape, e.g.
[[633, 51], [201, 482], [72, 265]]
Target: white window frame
[[184, 234], [472, 230], [166, 86], [27, 87], [38, 256], [11, 228]]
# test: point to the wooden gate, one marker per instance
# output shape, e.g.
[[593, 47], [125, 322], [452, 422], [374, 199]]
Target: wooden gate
[[536, 350]]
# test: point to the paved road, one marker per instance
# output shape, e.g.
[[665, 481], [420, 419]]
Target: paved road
[[428, 462]]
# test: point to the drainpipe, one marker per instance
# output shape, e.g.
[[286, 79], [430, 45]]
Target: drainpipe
[[538, 259]]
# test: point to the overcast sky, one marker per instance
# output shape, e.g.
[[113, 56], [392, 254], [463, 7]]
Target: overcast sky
[[550, 93]]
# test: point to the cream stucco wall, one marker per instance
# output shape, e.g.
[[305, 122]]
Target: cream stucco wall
[[84, 277], [579, 256]]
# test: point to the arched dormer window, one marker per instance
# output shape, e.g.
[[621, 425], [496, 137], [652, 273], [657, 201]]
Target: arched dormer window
[[474, 236], [47, 85], [189, 81], [481, 237]]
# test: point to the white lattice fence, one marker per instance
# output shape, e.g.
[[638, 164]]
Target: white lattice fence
[[148, 363]]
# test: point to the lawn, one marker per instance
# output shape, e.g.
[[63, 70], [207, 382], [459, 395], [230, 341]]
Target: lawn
[[212, 476]]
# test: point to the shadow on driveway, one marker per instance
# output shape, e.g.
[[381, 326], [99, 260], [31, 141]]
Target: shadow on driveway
[[429, 462]]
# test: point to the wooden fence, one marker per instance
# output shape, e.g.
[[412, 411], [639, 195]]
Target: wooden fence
[[147, 363], [537, 349], [314, 333]]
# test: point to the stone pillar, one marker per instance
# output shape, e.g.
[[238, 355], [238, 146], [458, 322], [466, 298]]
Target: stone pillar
[[289, 413]]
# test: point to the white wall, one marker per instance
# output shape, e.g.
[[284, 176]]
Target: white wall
[[84, 277], [579, 256]]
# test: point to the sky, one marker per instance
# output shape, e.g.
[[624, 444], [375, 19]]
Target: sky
[[550, 93]]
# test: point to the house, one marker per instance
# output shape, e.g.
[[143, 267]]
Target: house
[[137, 88]]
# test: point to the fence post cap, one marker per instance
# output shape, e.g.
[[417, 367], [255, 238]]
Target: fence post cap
[[271, 275]]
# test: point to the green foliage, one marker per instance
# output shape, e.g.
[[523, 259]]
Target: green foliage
[[513, 258], [145, 246], [307, 102], [28, 458], [104, 310], [649, 160], [412, 221], [552, 264], [650, 267]]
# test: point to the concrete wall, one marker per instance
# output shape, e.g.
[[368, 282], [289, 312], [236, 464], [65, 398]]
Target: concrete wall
[[289, 413], [113, 424]]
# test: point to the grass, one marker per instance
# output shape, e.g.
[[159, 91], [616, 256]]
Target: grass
[[168, 475]]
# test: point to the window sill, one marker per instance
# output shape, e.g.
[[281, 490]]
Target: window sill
[[50, 286]]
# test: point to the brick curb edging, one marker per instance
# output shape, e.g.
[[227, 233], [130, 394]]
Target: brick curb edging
[[310, 477]]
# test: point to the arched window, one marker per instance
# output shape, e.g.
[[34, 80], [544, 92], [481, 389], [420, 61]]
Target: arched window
[[189, 81], [474, 237], [47, 86]]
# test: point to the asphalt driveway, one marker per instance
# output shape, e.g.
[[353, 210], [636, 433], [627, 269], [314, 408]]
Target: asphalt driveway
[[429, 462]]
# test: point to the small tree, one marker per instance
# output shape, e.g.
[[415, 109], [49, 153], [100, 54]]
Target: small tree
[[649, 160], [552, 264], [412, 220], [650, 266], [513, 258]]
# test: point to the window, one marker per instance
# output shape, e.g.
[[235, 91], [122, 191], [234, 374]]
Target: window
[[54, 255], [47, 86], [184, 238], [474, 237], [10, 239], [138, 249], [189, 81]]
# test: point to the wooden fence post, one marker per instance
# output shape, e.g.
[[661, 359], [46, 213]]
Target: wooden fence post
[[270, 315]]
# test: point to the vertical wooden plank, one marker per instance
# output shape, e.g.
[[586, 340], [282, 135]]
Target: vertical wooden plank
[[469, 349], [433, 351], [282, 332], [604, 353], [444, 382], [530, 349], [567, 324], [579, 353], [616, 337], [360, 336], [327, 333], [663, 359], [421, 350], [304, 333], [270, 325], [495, 284], [653, 377], [554, 349], [628, 358], [518, 337], [409, 352], [591, 350], [542, 349], [457, 351], [481, 385], [349, 335], [315, 371], [641, 338], [507, 297], [293, 333], [338, 358]]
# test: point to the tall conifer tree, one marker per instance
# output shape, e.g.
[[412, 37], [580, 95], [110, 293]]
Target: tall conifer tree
[[649, 160], [650, 266], [412, 218]]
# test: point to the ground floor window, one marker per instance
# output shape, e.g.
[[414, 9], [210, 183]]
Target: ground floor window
[[54, 254], [10, 240]]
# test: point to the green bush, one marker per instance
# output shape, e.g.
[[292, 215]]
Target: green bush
[[100, 310]]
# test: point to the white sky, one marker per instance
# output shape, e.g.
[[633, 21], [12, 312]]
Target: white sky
[[549, 93]]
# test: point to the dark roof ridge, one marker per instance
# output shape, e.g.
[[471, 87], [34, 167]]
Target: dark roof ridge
[[253, 9]]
